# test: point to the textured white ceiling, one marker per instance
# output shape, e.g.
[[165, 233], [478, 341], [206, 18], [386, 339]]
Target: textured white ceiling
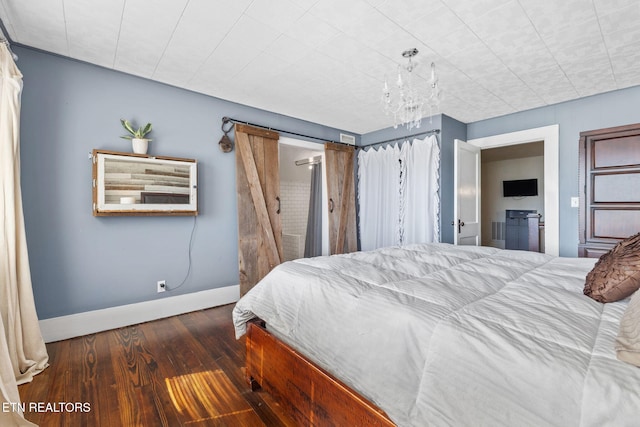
[[325, 60]]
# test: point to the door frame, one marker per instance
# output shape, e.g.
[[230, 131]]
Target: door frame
[[550, 135], [325, 198]]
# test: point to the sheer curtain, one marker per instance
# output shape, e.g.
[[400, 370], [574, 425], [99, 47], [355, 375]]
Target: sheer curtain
[[378, 196], [22, 350], [398, 194]]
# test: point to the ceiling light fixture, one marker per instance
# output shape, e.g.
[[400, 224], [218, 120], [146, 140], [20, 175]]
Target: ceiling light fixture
[[410, 104]]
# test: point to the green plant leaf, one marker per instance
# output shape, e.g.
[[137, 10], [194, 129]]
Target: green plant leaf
[[127, 125], [146, 129], [135, 133]]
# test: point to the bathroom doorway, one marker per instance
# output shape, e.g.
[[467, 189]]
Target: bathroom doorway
[[303, 199]]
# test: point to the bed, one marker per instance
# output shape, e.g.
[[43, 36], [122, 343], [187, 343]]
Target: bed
[[442, 335]]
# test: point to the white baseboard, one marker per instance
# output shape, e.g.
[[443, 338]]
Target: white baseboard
[[89, 322]]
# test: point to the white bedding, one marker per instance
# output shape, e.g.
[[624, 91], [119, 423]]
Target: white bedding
[[445, 335]]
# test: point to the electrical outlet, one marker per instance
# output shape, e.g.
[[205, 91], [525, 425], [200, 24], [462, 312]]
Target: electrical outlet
[[162, 285]]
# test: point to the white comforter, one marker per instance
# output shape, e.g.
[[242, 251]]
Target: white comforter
[[443, 335]]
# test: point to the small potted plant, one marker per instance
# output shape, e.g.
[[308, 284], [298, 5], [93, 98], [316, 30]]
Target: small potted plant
[[137, 136]]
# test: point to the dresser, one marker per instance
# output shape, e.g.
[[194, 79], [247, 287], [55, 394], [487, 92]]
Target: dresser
[[609, 179], [517, 229]]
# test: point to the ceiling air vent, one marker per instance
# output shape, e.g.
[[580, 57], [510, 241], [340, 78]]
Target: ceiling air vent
[[347, 139]]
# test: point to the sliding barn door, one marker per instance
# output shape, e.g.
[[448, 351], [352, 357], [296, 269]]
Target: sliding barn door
[[342, 204], [258, 185]]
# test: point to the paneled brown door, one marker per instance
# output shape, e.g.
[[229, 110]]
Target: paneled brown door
[[341, 192], [609, 162], [258, 186]]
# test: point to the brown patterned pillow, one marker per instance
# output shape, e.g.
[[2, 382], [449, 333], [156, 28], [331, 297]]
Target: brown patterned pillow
[[616, 275]]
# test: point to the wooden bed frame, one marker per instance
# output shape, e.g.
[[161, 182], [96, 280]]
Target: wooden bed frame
[[311, 395]]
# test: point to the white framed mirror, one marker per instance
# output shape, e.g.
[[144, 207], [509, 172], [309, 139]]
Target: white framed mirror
[[138, 184]]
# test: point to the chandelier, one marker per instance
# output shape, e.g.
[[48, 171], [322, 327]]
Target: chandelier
[[410, 104]]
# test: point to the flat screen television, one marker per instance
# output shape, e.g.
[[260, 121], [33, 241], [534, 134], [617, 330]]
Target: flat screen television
[[520, 188]]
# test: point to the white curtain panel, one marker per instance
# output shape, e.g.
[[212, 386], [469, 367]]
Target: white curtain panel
[[22, 350], [421, 213], [398, 194], [378, 196]]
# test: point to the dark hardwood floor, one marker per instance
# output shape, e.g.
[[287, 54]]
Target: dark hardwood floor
[[185, 370]]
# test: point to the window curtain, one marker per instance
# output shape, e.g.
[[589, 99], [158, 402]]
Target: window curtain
[[398, 194], [379, 197], [22, 350], [313, 239]]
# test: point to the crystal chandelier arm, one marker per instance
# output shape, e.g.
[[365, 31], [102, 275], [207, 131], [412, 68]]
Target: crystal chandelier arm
[[410, 104]]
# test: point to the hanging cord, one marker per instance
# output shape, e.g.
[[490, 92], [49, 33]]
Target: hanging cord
[[193, 229]]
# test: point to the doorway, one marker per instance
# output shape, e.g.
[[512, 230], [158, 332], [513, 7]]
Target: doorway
[[298, 162], [549, 135], [506, 164]]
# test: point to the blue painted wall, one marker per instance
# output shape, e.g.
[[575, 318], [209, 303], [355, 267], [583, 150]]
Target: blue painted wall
[[80, 262], [595, 112]]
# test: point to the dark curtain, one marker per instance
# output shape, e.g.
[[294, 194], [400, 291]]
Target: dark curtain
[[313, 240]]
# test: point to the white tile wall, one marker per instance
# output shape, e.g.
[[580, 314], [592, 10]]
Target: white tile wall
[[294, 198], [292, 246]]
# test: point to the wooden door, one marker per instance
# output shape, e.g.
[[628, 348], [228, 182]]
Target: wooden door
[[466, 198], [342, 204], [609, 183], [258, 186]]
